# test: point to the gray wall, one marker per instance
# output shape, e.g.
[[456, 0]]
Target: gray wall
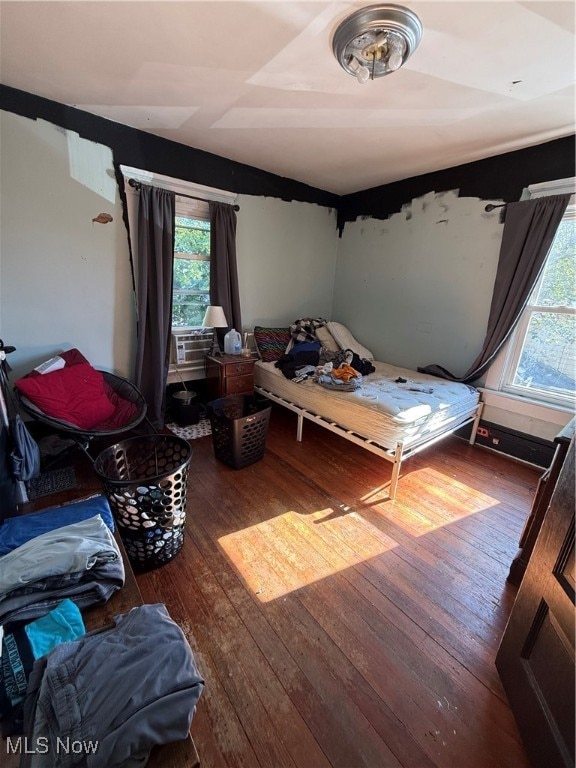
[[65, 279], [66, 282], [286, 260], [417, 287]]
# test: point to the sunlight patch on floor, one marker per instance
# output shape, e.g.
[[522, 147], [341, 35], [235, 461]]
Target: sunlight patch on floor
[[288, 552], [428, 500]]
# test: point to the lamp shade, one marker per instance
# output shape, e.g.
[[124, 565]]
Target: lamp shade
[[215, 318]]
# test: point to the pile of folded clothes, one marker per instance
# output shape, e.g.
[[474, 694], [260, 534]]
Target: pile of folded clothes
[[22, 644], [65, 552], [101, 699], [106, 699], [52, 564]]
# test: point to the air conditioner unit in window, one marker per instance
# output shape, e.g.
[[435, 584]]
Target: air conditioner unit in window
[[189, 348]]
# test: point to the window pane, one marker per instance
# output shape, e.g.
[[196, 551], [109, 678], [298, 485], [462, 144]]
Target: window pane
[[192, 236], [189, 309], [558, 286], [548, 359], [191, 276]]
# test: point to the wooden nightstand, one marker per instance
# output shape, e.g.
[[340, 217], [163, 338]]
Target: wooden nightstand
[[230, 375]]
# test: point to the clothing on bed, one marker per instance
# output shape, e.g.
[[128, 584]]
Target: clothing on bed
[[289, 363], [336, 358], [329, 381], [311, 353], [380, 409], [362, 366], [346, 372], [316, 331], [304, 329], [343, 379], [346, 340]]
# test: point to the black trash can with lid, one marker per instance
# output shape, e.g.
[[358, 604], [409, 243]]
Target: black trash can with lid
[[239, 428], [186, 407], [145, 481]]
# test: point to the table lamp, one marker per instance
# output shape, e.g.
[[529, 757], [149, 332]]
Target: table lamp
[[215, 318]]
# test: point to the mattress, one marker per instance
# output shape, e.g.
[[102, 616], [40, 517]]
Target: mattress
[[381, 409]]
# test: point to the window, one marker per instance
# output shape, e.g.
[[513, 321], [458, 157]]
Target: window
[[541, 360], [191, 291]]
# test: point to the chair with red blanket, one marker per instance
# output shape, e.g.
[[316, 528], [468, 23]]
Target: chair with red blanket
[[80, 402]]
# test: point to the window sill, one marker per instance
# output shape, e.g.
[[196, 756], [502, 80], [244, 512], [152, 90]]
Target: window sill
[[554, 414], [176, 373]]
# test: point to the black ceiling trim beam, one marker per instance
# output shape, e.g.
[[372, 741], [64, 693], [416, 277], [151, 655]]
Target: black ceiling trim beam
[[502, 177], [139, 149]]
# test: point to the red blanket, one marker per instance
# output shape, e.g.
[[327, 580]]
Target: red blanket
[[78, 394]]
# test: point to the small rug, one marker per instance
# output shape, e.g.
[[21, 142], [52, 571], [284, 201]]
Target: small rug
[[192, 432], [53, 481]]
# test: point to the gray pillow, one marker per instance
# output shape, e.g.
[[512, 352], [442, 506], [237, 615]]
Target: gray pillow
[[326, 339]]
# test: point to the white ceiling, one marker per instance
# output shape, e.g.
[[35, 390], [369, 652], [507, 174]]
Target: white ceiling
[[257, 82]]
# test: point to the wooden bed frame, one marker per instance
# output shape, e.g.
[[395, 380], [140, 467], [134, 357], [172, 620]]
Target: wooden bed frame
[[394, 455]]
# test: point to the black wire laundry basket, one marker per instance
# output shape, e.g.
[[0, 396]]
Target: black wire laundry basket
[[145, 480]]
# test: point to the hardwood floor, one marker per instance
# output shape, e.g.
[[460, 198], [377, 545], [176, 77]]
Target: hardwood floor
[[336, 628]]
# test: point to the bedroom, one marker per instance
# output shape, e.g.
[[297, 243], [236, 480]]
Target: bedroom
[[56, 177]]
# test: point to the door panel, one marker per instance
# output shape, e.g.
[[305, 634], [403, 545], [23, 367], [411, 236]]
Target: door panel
[[536, 656]]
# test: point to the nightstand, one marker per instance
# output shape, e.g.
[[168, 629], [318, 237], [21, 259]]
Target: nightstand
[[230, 375]]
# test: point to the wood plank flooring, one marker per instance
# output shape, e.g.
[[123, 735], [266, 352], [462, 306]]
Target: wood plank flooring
[[336, 628]]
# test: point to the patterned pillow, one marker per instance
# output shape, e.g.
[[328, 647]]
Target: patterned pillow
[[271, 342]]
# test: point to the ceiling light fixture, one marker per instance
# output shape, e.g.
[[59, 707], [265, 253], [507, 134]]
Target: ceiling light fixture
[[376, 40]]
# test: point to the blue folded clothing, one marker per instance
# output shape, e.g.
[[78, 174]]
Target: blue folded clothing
[[16, 531], [21, 645]]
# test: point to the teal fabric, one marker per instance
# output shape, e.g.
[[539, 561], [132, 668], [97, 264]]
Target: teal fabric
[[61, 625]]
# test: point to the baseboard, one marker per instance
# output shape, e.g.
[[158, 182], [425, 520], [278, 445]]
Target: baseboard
[[518, 445]]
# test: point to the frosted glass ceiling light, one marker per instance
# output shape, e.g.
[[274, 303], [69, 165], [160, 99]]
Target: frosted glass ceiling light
[[378, 38]]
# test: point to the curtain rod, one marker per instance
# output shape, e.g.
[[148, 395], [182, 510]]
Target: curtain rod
[[491, 206], [138, 185]]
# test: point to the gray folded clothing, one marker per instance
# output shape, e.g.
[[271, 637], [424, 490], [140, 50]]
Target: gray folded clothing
[[75, 547], [114, 693], [92, 587], [80, 561]]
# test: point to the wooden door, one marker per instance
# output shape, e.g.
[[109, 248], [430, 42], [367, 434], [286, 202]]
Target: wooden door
[[536, 656]]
